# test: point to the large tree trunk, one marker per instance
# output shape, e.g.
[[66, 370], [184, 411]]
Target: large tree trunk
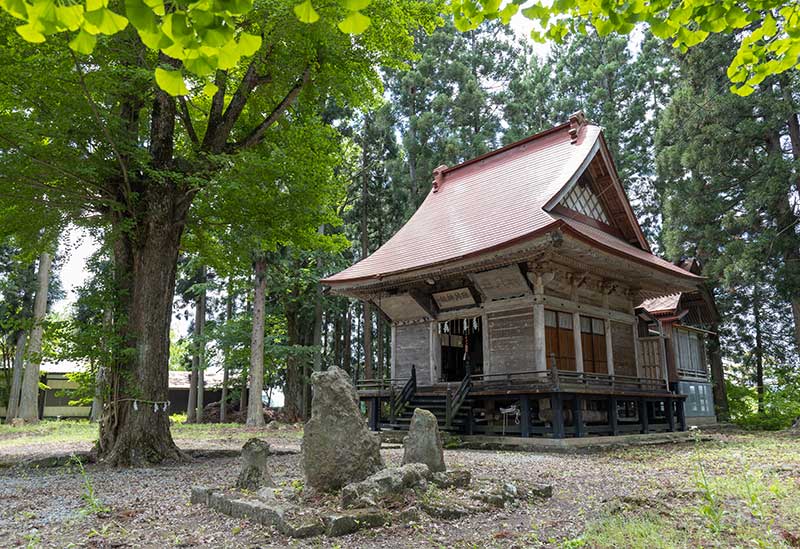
[[200, 347], [16, 375], [293, 388], [255, 408], [759, 350], [718, 376], [347, 347], [29, 397], [134, 428], [100, 387], [223, 408], [191, 404]]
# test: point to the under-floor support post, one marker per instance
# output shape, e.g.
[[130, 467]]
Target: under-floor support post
[[525, 416], [612, 416], [670, 406], [644, 420], [558, 415], [679, 404], [577, 417], [374, 413]]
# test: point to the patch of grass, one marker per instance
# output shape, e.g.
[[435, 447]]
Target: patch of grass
[[647, 530], [48, 431], [92, 505]]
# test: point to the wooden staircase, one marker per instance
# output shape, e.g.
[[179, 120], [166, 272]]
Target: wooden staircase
[[452, 410], [437, 405]]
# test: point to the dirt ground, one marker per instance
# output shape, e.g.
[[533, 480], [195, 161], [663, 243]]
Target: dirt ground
[[733, 490]]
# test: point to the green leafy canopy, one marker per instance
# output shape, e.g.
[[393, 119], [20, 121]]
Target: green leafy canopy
[[205, 35]]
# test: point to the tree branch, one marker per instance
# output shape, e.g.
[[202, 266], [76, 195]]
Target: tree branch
[[187, 121], [103, 127], [257, 135]]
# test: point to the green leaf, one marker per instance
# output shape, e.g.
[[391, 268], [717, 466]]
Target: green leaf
[[92, 5], [104, 21], [356, 5], [249, 44], [769, 26], [30, 33], [508, 12], [210, 89], [736, 17], [743, 91], [83, 42], [141, 16], [305, 12], [17, 8], [70, 16], [355, 23], [171, 82]]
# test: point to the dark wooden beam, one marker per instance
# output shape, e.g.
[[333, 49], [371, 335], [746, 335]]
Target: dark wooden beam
[[612, 415], [644, 420], [577, 416], [525, 419], [558, 415]]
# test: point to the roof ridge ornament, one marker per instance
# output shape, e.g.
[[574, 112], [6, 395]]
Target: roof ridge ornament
[[576, 121], [438, 176]]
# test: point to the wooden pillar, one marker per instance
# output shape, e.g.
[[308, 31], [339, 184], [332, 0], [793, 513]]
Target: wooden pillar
[[609, 347], [577, 416], [612, 415], [558, 415], [576, 337], [539, 347], [636, 350], [487, 355], [662, 351], [576, 324], [374, 413], [525, 413], [393, 356], [644, 420], [669, 403]]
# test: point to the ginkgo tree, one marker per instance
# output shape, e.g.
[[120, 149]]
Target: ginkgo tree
[[94, 141], [205, 35]]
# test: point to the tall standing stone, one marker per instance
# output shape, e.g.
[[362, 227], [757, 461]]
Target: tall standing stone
[[338, 447], [424, 442]]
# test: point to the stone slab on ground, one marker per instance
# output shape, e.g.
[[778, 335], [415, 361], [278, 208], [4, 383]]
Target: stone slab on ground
[[386, 483], [588, 444]]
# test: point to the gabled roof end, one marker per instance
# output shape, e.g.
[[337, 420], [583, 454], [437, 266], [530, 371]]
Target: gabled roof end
[[438, 176], [576, 121]]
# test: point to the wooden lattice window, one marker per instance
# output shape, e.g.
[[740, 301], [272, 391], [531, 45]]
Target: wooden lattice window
[[593, 341], [559, 340], [583, 200]]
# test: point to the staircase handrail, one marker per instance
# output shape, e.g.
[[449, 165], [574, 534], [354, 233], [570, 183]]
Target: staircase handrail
[[400, 401], [458, 399]]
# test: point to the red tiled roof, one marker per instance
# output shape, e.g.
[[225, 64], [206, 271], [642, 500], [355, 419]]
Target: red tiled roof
[[490, 202]]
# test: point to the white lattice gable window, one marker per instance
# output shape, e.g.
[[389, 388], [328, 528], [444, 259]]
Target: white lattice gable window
[[582, 200]]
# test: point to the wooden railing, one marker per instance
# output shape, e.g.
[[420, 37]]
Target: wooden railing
[[378, 384], [454, 402], [565, 379], [699, 375], [399, 402]]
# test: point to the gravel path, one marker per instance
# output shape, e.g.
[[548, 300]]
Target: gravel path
[[150, 507]]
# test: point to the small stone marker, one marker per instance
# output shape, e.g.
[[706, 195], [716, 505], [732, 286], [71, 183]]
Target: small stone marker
[[424, 442], [338, 447], [254, 473]]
